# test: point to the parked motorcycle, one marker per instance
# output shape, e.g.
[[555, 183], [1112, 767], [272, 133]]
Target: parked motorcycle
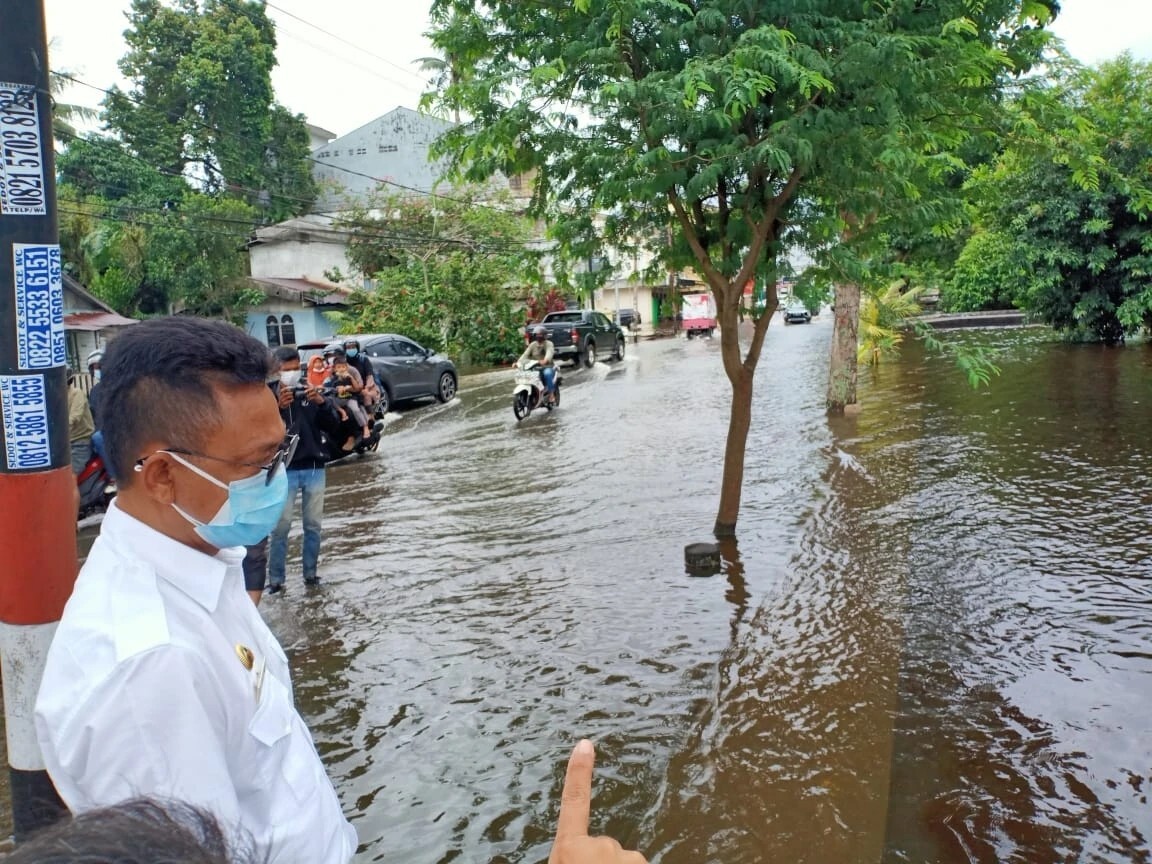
[[530, 393], [97, 488]]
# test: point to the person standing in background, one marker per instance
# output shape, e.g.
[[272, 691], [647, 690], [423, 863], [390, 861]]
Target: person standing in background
[[80, 426], [309, 415]]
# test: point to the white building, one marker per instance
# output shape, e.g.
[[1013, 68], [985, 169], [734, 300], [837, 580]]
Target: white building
[[296, 264], [392, 149], [318, 136]]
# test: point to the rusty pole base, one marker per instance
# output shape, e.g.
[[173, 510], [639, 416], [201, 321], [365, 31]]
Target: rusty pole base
[[702, 559]]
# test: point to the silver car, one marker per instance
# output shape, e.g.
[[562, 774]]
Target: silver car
[[407, 370]]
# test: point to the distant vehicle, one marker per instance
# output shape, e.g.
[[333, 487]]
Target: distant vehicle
[[698, 312], [797, 313], [97, 488], [627, 318], [407, 370], [582, 335]]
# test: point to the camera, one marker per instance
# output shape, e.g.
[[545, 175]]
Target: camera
[[301, 389]]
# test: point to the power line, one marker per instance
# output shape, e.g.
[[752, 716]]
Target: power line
[[337, 236], [180, 176], [380, 180], [345, 41], [350, 62]]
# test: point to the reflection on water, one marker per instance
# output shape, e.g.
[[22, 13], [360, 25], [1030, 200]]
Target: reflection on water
[[931, 644]]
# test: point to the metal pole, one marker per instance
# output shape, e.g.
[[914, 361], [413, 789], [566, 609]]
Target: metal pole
[[37, 488]]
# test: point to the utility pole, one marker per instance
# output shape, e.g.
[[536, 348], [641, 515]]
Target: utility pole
[[37, 488]]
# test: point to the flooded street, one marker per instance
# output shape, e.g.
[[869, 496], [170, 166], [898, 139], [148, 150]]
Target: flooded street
[[933, 644]]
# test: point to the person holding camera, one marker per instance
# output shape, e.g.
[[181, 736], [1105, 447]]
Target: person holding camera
[[308, 414]]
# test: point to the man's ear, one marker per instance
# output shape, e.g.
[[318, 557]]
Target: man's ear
[[156, 479]]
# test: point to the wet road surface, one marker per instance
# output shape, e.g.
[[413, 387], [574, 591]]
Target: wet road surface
[[933, 645]]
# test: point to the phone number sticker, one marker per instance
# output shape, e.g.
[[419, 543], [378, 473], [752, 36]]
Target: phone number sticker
[[39, 306], [22, 188], [24, 405]]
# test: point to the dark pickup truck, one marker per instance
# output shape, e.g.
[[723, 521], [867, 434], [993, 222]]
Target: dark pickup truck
[[582, 336]]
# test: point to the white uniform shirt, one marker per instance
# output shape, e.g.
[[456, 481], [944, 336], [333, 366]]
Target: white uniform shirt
[[144, 693]]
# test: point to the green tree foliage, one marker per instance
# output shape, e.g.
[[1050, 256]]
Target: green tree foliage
[[102, 167], [726, 117], [882, 319], [155, 215], [991, 271], [1063, 212], [147, 261], [202, 102], [448, 272], [145, 241], [65, 114]]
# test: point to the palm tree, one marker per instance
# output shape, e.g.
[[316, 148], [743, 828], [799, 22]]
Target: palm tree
[[65, 114], [882, 317], [442, 70]]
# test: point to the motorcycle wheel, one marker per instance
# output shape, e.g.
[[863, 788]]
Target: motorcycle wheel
[[521, 406]]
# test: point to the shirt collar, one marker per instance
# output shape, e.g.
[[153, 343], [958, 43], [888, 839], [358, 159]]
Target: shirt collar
[[198, 575]]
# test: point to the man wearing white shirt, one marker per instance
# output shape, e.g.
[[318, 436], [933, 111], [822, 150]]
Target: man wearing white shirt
[[162, 679]]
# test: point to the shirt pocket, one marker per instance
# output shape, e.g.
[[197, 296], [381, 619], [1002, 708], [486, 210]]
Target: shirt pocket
[[283, 753]]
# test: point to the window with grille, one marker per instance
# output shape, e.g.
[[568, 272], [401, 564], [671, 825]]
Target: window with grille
[[287, 330], [273, 332], [281, 331]]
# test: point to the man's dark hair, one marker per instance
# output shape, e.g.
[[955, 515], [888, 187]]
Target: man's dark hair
[[141, 831], [158, 383], [285, 354]]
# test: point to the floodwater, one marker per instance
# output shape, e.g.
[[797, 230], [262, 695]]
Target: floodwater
[[933, 643]]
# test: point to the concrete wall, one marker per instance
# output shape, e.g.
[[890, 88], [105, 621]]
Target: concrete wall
[[308, 320], [393, 147], [297, 259]]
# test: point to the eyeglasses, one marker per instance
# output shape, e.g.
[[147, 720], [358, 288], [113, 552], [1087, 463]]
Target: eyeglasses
[[283, 456]]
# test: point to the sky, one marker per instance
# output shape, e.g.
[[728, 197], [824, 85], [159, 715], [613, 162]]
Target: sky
[[343, 63]]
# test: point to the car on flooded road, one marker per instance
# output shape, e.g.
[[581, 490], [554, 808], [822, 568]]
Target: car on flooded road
[[406, 369], [797, 313]]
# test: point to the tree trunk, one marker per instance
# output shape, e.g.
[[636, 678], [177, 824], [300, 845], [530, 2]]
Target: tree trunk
[[842, 371], [741, 371], [732, 486]]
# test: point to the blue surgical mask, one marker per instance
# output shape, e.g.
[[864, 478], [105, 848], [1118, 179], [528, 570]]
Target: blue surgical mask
[[351, 352], [249, 514], [96, 376]]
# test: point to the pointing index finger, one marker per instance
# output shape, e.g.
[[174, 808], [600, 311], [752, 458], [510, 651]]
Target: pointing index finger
[[576, 800]]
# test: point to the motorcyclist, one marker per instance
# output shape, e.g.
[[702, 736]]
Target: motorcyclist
[[360, 361], [348, 386], [541, 350]]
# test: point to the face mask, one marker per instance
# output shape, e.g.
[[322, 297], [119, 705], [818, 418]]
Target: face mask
[[96, 376], [352, 352], [290, 379], [248, 516]]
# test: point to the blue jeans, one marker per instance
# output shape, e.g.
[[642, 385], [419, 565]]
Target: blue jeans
[[310, 483], [548, 376]]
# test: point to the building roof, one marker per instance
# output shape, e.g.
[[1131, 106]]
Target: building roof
[[300, 228], [390, 152], [84, 294], [304, 290], [94, 321], [319, 131]]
